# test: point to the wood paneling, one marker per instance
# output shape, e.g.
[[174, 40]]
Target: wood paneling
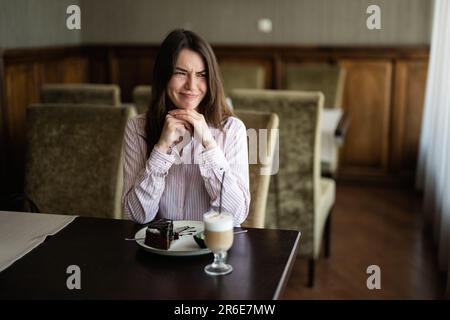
[[130, 67], [383, 93], [410, 81], [23, 80], [21, 90], [367, 96]]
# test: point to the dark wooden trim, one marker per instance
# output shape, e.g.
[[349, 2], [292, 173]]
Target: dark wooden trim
[[24, 55], [260, 51]]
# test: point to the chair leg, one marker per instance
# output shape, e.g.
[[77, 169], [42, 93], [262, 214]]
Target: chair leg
[[328, 234], [311, 272]]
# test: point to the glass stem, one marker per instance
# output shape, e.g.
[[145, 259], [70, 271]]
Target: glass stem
[[219, 258]]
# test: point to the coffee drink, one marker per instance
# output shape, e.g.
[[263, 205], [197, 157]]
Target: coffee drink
[[218, 231]]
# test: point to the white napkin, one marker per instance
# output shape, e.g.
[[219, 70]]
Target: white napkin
[[21, 232]]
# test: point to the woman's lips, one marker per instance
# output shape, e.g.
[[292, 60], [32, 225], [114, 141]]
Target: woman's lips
[[189, 95]]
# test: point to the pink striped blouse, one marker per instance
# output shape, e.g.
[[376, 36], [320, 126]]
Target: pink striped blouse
[[184, 186]]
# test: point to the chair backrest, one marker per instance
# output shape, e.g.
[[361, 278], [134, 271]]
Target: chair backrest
[[327, 78], [81, 93], [141, 97], [259, 169], [74, 158], [293, 194], [242, 75]]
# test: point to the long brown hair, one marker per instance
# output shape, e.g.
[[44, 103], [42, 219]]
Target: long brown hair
[[213, 106]]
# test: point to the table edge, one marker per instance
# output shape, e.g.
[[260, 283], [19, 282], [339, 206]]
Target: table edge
[[287, 270]]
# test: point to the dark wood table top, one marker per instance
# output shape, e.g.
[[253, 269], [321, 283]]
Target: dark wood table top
[[112, 268]]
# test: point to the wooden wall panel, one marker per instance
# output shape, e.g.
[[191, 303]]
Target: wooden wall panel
[[367, 96], [410, 81], [383, 93], [21, 90], [23, 81], [131, 67]]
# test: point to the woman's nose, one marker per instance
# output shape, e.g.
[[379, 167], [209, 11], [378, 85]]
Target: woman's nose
[[190, 82]]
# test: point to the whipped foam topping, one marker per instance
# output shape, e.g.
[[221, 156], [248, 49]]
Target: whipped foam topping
[[218, 222]]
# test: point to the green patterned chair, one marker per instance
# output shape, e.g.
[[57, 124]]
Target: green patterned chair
[[141, 97], [260, 167], [299, 199], [74, 158], [330, 80], [81, 93], [242, 75]]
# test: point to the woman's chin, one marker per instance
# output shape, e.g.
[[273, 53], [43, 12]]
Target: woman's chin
[[188, 106]]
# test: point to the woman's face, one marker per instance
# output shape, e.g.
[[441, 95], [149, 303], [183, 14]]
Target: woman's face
[[188, 85]]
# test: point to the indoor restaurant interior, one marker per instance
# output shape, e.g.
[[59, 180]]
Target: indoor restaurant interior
[[325, 149]]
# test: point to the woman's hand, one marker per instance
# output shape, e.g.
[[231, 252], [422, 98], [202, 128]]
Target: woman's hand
[[197, 121], [174, 131]]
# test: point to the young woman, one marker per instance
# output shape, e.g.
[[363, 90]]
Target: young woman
[[177, 154]]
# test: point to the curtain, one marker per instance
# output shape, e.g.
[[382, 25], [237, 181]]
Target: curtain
[[433, 171]]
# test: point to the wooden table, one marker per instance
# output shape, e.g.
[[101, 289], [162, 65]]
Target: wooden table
[[112, 268]]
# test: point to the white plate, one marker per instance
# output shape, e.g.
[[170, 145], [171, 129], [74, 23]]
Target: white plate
[[184, 246]]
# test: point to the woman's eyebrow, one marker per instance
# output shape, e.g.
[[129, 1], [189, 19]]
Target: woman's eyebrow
[[184, 70], [180, 69]]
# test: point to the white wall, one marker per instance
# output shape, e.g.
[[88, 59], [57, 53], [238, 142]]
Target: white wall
[[35, 23], [309, 22], [27, 23]]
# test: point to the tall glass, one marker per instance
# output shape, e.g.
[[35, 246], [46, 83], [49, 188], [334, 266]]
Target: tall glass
[[219, 238]]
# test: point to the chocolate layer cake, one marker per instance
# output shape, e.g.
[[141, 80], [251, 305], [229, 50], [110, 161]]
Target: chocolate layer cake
[[159, 234]]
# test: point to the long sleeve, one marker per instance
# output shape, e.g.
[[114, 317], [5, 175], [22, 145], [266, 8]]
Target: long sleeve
[[144, 180], [233, 160]]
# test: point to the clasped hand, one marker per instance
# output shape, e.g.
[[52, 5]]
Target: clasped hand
[[179, 127]]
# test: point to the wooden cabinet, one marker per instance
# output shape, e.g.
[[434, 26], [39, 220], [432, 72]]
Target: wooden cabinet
[[367, 96], [410, 82]]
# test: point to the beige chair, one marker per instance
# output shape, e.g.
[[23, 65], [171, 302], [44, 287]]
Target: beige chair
[[242, 75], [330, 80], [259, 168], [299, 199], [74, 158], [81, 93], [327, 78], [141, 98]]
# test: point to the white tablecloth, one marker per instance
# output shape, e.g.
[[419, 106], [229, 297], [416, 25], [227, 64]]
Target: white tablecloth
[[21, 232]]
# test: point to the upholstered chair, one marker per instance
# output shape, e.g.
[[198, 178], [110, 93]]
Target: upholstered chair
[[262, 133], [330, 80], [74, 158], [299, 198], [141, 97], [327, 78], [242, 75], [81, 93]]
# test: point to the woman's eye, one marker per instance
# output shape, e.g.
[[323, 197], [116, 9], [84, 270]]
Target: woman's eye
[[179, 73], [202, 75]]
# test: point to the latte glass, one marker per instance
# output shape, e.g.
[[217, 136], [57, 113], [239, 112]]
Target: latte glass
[[219, 239]]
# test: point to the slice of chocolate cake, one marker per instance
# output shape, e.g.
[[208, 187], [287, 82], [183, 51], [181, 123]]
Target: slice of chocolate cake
[[159, 234]]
